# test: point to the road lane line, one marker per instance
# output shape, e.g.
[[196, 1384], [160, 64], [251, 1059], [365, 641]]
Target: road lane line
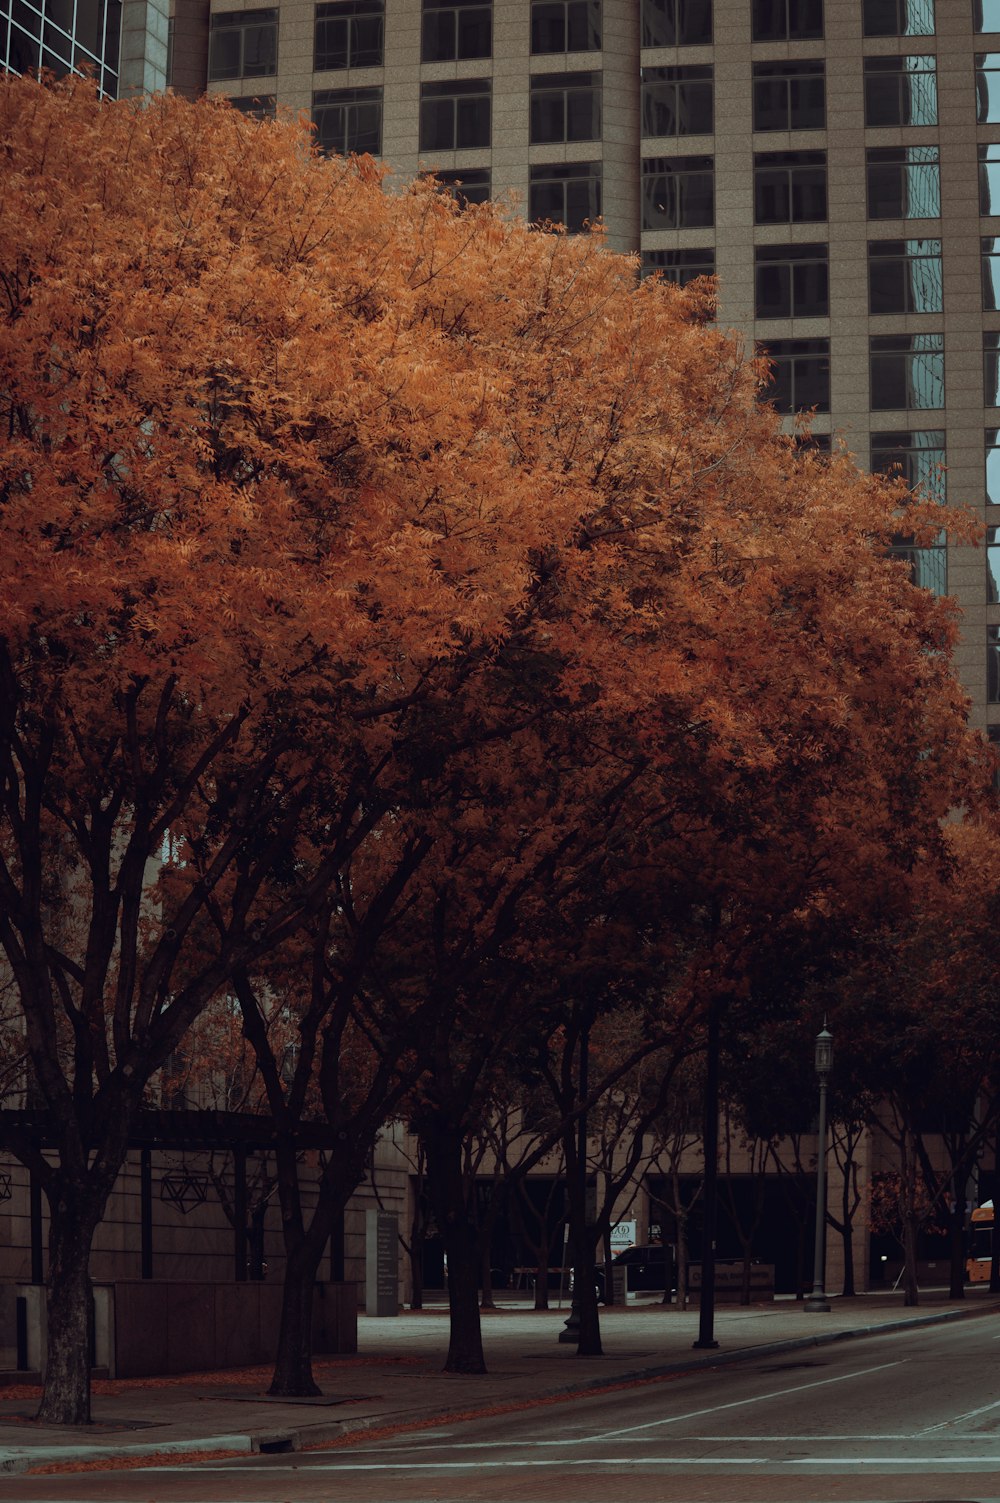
[[949, 1463], [957, 1419], [761, 1398]]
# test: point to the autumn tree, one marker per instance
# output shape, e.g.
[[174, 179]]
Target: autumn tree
[[331, 517], [277, 480]]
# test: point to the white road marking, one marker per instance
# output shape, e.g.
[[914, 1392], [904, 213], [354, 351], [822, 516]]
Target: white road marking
[[949, 1463], [511, 1445], [761, 1398], [957, 1419]]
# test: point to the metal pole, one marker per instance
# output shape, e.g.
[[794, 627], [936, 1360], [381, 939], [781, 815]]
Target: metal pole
[[818, 1300], [571, 1330], [710, 1149]]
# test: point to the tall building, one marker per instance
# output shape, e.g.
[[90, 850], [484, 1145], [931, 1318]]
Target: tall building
[[121, 43], [836, 163]]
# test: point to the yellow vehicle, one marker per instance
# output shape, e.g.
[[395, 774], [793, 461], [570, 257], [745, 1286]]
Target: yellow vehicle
[[977, 1264]]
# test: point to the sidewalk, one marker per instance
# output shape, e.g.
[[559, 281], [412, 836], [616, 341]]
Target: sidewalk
[[395, 1381]]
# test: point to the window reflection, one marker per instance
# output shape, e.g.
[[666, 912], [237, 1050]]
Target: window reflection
[[986, 15], [987, 87], [904, 182], [993, 565]]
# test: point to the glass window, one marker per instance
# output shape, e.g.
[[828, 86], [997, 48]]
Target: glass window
[[800, 374], [928, 566], [348, 120], [470, 186], [678, 193], [993, 566], [349, 34], [990, 263], [916, 456], [680, 266], [986, 15], [792, 281], [907, 372], [676, 23], [677, 101], [898, 18], [905, 276], [565, 26], [787, 20], [565, 107], [455, 116], [993, 665], [991, 368], [257, 106], [566, 193], [987, 87], [900, 91], [243, 44], [993, 737], [989, 177], [904, 182], [789, 187], [789, 96], [993, 466], [455, 31]]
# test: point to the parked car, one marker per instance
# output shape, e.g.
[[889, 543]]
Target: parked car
[[649, 1265]]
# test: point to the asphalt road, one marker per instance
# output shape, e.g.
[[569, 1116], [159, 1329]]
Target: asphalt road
[[910, 1417]]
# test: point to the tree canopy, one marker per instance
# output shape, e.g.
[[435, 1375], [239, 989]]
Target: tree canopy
[[362, 550]]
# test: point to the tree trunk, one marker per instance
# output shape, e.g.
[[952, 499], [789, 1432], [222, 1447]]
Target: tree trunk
[[66, 1392], [416, 1254], [293, 1375], [542, 1283], [847, 1238], [956, 1226], [446, 1188], [487, 1302], [911, 1291]]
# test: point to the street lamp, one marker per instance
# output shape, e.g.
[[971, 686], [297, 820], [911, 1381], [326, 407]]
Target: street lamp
[[824, 1059]]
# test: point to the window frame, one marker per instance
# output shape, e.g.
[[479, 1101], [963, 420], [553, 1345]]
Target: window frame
[[910, 348], [792, 30], [788, 162], [677, 26], [903, 261], [883, 159], [900, 29], [432, 14], [238, 23], [792, 73], [880, 67], [677, 174], [457, 92], [793, 264], [694, 262], [794, 355], [681, 85], [570, 10], [570, 174], [568, 89], [348, 98], [349, 14]]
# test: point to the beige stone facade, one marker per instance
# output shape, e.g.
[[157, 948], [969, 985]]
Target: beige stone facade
[[861, 80]]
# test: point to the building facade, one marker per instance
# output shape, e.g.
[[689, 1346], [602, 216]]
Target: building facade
[[835, 163], [122, 44]]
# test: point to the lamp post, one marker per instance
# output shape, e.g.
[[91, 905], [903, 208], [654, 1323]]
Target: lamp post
[[824, 1059], [570, 1332]]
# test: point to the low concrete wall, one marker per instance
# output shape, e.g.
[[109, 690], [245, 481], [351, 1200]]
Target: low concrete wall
[[144, 1328], [162, 1327]]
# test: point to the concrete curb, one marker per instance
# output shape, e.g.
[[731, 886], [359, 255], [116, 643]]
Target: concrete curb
[[18, 1460]]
